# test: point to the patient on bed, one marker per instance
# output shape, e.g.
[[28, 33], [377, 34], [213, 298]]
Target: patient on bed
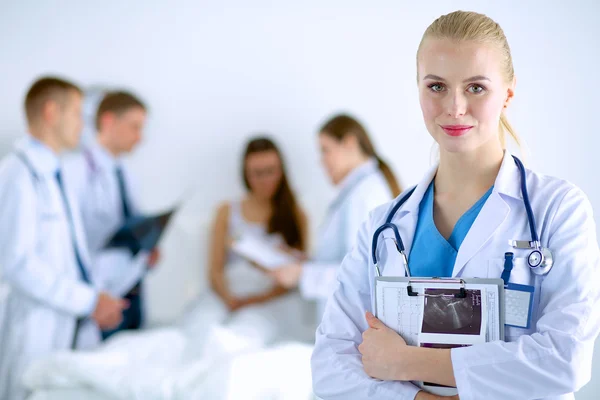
[[241, 322], [258, 309]]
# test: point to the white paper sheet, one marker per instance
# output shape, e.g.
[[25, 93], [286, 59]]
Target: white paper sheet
[[262, 252]]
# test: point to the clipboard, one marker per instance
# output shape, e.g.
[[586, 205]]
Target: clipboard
[[441, 313]]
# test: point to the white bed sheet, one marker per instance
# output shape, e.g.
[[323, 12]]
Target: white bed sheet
[[186, 361], [278, 372], [67, 394]]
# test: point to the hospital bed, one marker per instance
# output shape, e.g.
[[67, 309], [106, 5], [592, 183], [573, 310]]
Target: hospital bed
[[67, 394], [281, 372], [176, 363], [181, 360]]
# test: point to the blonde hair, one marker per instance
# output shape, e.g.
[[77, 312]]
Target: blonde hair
[[471, 26]]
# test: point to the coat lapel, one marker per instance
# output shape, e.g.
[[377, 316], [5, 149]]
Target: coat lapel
[[490, 218], [493, 214]]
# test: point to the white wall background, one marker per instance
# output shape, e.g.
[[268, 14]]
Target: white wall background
[[215, 72]]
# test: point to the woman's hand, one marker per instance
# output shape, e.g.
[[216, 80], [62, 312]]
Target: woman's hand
[[288, 276], [234, 303], [260, 267], [384, 352], [299, 255], [386, 356]]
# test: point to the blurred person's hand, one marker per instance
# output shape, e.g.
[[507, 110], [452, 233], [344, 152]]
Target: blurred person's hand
[[237, 303], [299, 255], [288, 276], [259, 267], [109, 311], [232, 304], [153, 258]]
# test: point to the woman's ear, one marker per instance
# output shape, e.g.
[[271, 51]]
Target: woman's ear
[[350, 142], [510, 92]]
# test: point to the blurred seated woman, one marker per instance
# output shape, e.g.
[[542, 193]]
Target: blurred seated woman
[[260, 310]]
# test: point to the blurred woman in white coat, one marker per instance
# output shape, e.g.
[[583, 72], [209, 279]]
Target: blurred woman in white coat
[[472, 215], [363, 182]]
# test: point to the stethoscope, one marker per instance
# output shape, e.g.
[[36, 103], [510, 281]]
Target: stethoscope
[[540, 259], [79, 321]]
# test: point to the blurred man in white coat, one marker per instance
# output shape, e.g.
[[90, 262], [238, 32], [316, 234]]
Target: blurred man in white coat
[[49, 301], [106, 194]]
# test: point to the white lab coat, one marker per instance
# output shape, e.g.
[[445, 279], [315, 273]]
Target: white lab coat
[[549, 361], [44, 293], [360, 192], [91, 174]]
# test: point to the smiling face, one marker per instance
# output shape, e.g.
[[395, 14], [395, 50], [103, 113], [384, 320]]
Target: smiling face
[[463, 90]]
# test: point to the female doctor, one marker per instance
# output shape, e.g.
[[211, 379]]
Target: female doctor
[[363, 182], [458, 221]]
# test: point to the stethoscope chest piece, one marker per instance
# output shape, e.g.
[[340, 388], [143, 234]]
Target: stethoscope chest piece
[[540, 261]]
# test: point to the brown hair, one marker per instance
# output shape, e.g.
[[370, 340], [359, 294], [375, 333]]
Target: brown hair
[[46, 89], [117, 103], [471, 26], [343, 125], [285, 216]]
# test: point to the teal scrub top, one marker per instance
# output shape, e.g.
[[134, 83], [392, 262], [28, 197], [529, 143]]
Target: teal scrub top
[[431, 253]]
